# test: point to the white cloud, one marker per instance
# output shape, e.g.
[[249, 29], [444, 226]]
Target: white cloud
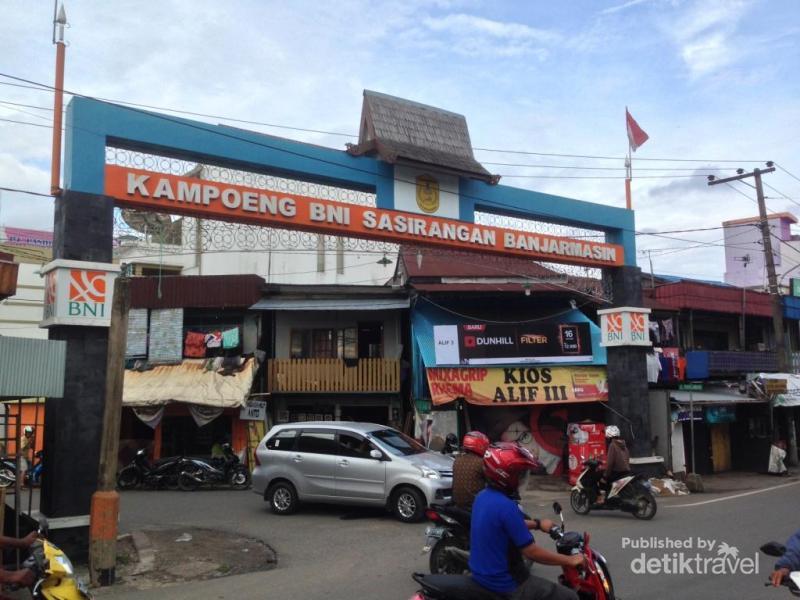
[[623, 6]]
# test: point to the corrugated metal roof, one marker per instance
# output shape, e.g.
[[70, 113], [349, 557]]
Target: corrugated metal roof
[[200, 291], [396, 129], [707, 297], [188, 382], [30, 367], [278, 303]]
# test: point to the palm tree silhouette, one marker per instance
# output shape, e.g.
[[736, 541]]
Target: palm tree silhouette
[[726, 551]]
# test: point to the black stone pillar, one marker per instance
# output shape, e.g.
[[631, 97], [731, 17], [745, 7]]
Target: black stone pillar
[[83, 230], [628, 402]]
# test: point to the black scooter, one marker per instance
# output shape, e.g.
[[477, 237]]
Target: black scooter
[[227, 470], [629, 494], [142, 473], [793, 580]]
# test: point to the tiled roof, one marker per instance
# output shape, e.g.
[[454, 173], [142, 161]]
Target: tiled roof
[[400, 130]]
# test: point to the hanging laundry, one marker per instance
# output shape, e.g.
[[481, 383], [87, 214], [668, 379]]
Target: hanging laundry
[[213, 339], [230, 338], [655, 333], [669, 332], [195, 345], [653, 368]]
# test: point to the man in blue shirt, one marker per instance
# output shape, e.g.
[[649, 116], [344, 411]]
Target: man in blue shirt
[[498, 523], [790, 561]]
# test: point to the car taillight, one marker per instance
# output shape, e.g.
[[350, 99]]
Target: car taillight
[[417, 596], [432, 515]]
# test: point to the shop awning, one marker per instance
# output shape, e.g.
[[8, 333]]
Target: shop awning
[[188, 382], [792, 395], [713, 397], [331, 304]]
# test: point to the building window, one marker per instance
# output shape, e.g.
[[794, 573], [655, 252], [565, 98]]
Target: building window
[[324, 343]]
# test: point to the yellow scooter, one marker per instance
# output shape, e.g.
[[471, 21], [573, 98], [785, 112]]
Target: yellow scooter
[[55, 575]]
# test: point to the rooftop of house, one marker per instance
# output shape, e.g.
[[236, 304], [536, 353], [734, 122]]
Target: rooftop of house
[[782, 216], [403, 131]]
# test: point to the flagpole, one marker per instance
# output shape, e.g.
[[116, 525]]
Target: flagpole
[[628, 174]]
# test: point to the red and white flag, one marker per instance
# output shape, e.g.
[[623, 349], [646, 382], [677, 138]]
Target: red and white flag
[[636, 135]]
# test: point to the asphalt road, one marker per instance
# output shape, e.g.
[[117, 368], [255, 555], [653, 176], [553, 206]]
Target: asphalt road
[[323, 555]]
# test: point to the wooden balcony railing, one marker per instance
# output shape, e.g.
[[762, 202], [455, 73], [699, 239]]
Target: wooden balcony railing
[[298, 375]]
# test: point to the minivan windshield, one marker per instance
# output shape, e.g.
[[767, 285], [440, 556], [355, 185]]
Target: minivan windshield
[[398, 443]]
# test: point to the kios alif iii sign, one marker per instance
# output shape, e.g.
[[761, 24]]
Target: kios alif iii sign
[[78, 293], [144, 190]]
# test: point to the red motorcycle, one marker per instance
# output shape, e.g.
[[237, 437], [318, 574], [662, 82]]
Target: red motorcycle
[[592, 582]]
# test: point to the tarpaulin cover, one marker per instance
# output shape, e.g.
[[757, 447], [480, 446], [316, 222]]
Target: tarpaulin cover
[[188, 382]]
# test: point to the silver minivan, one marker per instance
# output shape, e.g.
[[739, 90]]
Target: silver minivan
[[349, 463]]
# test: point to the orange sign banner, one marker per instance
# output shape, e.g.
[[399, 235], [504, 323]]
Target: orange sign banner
[[146, 190], [504, 386]]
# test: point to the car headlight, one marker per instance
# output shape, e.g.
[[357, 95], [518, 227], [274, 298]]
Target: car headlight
[[429, 473]]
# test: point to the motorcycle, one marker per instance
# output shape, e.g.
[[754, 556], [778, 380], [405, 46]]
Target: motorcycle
[[141, 472], [448, 540], [8, 471], [196, 472], [629, 494], [593, 582], [793, 580], [53, 571], [34, 476]]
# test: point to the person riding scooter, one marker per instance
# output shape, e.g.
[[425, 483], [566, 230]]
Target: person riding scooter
[[498, 521], [618, 461], [468, 477], [790, 561]]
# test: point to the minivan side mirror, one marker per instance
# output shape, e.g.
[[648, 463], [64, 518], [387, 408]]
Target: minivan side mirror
[[377, 454]]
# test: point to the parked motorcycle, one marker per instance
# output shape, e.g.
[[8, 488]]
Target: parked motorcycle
[[34, 475], [629, 494], [227, 470], [593, 582], [54, 573], [793, 580], [8, 471], [141, 472]]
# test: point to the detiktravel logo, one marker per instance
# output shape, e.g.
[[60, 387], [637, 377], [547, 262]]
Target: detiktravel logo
[[87, 293], [689, 556]]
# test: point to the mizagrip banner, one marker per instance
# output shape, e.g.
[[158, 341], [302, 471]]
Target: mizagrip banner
[[518, 385]]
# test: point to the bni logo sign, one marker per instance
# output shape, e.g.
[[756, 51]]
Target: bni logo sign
[[87, 293]]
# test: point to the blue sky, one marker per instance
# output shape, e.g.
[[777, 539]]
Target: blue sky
[[707, 80]]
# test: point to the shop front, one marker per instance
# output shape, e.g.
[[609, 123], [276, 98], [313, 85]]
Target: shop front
[[523, 381]]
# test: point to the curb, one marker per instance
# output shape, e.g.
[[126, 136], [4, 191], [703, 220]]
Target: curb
[[144, 551]]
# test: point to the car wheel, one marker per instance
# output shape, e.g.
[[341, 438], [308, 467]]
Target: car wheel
[[282, 498], [128, 478], [408, 505]]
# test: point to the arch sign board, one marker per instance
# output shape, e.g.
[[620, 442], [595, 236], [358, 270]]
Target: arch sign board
[[146, 190]]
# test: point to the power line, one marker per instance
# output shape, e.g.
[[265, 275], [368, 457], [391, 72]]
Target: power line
[[47, 88], [584, 168], [792, 175], [26, 123]]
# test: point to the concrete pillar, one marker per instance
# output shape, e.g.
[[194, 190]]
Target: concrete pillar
[[83, 230], [628, 403]]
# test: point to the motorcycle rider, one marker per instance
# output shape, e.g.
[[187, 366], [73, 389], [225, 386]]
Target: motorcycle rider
[[790, 561], [497, 521], [22, 577], [618, 461], [468, 477]]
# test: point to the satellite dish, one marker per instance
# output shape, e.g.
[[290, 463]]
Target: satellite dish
[[160, 227]]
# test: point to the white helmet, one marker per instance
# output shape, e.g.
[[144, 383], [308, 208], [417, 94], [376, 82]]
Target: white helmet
[[612, 431], [29, 429]]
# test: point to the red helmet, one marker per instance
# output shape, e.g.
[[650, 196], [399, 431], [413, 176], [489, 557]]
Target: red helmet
[[475, 442], [504, 464]]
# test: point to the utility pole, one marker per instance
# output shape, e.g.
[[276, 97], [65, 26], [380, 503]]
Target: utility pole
[[59, 22], [774, 290], [104, 514]]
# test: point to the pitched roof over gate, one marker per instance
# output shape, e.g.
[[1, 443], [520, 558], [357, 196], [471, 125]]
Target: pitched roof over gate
[[402, 131]]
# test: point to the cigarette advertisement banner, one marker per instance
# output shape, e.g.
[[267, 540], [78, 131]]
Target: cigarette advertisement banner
[[500, 343], [518, 385]]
